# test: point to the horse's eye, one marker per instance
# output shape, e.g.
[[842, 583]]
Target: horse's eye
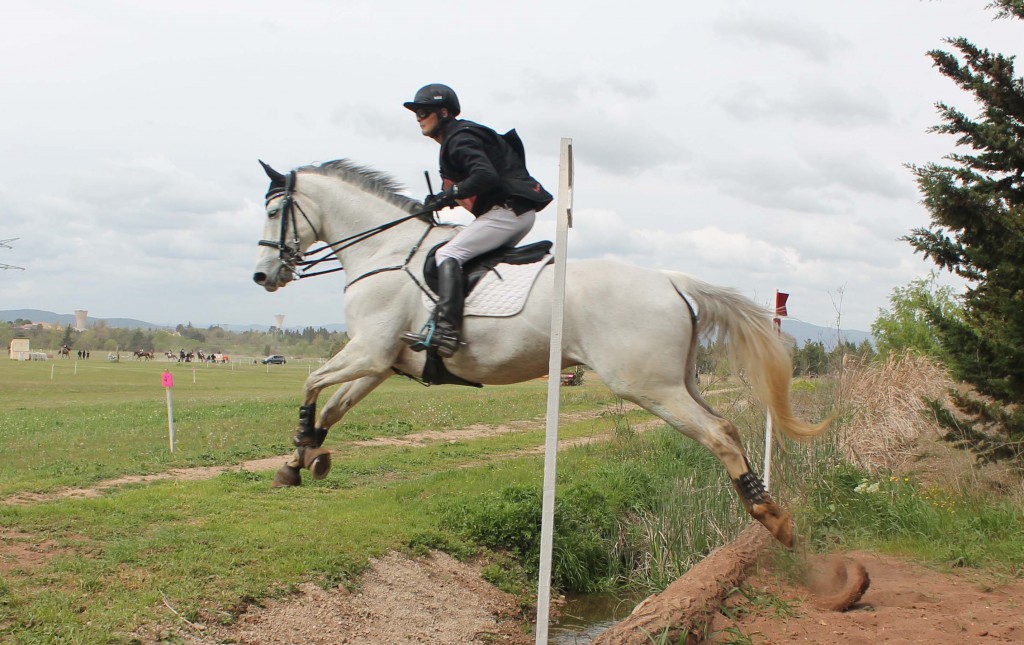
[[272, 212]]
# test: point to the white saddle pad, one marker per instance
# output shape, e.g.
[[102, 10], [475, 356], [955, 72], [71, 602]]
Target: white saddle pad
[[502, 292]]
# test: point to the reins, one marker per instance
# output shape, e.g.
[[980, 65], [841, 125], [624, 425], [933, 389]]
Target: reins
[[293, 258]]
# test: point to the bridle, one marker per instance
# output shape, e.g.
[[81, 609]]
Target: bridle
[[293, 258], [289, 254]]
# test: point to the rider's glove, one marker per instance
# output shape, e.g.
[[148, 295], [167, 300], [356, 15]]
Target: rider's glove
[[443, 199]]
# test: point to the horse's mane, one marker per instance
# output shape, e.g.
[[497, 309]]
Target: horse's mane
[[372, 181]]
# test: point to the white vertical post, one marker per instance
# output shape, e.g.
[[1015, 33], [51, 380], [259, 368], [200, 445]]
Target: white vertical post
[[768, 452], [170, 418], [565, 173]]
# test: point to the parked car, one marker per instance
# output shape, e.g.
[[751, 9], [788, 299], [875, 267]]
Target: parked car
[[276, 359]]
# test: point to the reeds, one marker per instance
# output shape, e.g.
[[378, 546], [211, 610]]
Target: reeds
[[883, 410]]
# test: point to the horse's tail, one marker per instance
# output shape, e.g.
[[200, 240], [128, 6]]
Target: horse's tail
[[746, 329]]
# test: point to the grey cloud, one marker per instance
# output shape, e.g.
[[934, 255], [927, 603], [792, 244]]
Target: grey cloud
[[143, 196], [819, 101], [616, 148], [789, 33], [368, 120], [825, 184], [775, 183], [605, 117], [864, 175], [565, 92]]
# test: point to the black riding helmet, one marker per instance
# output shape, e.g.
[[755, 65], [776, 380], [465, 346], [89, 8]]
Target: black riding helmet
[[437, 96]]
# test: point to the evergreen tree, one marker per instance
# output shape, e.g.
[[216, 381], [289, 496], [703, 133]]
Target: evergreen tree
[[69, 337], [811, 359], [977, 210]]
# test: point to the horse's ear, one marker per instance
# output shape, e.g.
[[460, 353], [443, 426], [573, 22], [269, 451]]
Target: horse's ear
[[275, 177]]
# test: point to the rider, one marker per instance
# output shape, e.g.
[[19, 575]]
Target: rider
[[485, 173]]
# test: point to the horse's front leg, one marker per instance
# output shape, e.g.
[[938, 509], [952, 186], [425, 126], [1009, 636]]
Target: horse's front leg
[[361, 372]]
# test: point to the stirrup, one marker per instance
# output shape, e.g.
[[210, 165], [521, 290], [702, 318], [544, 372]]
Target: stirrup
[[421, 341], [429, 337]]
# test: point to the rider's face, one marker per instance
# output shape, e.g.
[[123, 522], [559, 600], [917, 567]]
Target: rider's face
[[429, 120]]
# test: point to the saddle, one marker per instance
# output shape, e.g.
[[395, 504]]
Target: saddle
[[475, 270], [434, 370]]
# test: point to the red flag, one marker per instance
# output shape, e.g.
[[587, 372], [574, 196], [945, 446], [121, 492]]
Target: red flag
[[780, 303]]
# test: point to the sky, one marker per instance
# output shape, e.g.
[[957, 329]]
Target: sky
[[755, 145]]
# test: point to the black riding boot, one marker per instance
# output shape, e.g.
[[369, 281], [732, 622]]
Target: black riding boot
[[444, 330]]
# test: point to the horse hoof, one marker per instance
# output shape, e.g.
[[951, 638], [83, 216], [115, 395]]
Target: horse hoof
[[778, 522], [287, 476], [318, 461]]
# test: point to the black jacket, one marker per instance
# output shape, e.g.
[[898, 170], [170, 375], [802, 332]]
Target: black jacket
[[489, 169]]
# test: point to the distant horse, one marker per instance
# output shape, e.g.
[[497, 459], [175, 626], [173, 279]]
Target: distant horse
[[636, 328], [171, 356], [65, 352], [141, 354]]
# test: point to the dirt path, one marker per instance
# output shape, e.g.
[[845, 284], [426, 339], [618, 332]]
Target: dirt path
[[416, 440], [401, 601]]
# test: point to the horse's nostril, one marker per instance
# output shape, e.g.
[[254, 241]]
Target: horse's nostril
[[259, 278]]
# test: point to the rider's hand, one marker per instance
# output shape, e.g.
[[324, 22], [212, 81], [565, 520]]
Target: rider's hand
[[443, 199]]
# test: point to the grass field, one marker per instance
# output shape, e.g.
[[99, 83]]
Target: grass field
[[104, 566], [79, 425], [633, 509]]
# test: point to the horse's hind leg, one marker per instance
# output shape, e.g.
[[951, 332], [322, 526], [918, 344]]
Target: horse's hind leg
[[694, 418], [312, 430]]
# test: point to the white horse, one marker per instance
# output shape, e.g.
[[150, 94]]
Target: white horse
[[636, 328]]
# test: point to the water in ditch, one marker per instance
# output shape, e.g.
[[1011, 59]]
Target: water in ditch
[[584, 617]]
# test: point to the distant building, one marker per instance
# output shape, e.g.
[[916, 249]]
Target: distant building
[[81, 316], [19, 350]]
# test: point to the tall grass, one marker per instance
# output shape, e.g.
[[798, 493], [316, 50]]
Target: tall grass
[[632, 514], [886, 418]]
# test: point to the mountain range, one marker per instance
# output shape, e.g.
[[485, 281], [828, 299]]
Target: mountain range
[[801, 332]]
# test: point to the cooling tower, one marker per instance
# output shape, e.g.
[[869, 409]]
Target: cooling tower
[[80, 316], [279, 321]]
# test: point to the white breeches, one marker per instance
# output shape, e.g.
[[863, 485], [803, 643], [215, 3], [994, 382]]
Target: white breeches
[[497, 227]]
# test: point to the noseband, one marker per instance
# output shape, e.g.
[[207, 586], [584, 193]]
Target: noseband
[[290, 253]]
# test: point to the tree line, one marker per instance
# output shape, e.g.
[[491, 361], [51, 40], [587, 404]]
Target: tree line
[[309, 342]]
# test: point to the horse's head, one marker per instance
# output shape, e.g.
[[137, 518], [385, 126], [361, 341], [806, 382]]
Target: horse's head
[[287, 233], [341, 204]]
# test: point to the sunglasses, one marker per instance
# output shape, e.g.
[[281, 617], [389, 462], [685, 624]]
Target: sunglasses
[[423, 113]]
